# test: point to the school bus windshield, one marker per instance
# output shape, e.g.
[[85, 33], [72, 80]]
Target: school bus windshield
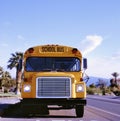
[[65, 64]]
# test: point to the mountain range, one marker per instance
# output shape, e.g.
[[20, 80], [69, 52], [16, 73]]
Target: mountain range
[[97, 80]]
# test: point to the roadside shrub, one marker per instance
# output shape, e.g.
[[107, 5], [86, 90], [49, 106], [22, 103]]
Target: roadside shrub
[[90, 91]]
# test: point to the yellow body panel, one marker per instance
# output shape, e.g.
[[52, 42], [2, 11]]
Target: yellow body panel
[[52, 51]]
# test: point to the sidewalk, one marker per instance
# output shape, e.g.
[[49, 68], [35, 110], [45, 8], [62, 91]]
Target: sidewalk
[[9, 100]]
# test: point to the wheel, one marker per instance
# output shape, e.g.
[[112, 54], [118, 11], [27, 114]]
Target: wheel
[[79, 110]]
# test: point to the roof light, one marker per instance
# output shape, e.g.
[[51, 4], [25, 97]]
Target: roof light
[[31, 50], [74, 50]]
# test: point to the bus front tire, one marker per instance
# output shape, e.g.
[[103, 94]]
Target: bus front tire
[[79, 109]]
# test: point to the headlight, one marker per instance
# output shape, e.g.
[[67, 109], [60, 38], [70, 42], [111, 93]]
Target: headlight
[[27, 88], [79, 88]]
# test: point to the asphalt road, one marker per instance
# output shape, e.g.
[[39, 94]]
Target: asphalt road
[[60, 115], [91, 114], [109, 104]]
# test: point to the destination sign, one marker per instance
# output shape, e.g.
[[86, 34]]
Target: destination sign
[[52, 49]]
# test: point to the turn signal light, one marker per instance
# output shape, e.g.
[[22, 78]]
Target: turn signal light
[[25, 80], [81, 79], [28, 79]]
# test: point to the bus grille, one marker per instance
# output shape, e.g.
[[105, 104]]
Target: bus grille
[[53, 87]]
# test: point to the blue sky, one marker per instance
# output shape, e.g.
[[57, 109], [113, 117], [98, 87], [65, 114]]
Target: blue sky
[[93, 26]]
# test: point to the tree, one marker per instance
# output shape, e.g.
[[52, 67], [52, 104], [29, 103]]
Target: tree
[[115, 75], [14, 63], [6, 77], [92, 85], [1, 72], [102, 84], [114, 87]]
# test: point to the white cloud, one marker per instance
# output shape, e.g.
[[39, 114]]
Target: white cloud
[[90, 43], [102, 67]]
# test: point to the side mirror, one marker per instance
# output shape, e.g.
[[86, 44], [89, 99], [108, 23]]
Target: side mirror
[[84, 63]]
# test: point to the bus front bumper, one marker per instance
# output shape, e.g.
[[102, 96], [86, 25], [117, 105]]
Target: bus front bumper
[[53, 101]]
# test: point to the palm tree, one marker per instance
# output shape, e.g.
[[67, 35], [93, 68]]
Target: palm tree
[[14, 63], [115, 75]]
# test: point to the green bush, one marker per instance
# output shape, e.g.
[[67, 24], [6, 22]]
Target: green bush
[[90, 91]]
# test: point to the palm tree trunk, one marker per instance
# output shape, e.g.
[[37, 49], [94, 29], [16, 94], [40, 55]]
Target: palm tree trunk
[[18, 82]]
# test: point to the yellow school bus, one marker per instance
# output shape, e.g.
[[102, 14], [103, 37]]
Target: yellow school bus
[[53, 75]]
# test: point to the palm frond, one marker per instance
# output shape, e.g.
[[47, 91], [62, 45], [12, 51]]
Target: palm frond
[[14, 60]]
